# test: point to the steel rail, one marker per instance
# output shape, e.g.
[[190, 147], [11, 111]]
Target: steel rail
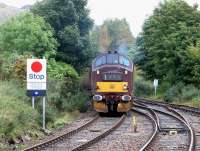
[[179, 117], [176, 106], [99, 137], [151, 111], [56, 139], [155, 123], [192, 134]]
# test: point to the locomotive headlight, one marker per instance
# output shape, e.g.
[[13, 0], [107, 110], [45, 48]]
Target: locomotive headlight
[[126, 72], [97, 71], [126, 98], [125, 87], [97, 87], [97, 98]]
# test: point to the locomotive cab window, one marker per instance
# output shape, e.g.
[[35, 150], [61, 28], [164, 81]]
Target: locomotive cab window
[[100, 61], [112, 59], [124, 61]]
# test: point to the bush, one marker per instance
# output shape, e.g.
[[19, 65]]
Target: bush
[[28, 33], [174, 93], [170, 95], [81, 100], [7, 60], [51, 113], [196, 102], [77, 102], [164, 86], [60, 70], [142, 88], [19, 68], [85, 81], [180, 92], [16, 115], [189, 92], [64, 88], [54, 93], [65, 73]]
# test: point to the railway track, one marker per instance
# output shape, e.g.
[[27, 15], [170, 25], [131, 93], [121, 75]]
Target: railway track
[[60, 137], [185, 108], [166, 123], [194, 120], [124, 138], [87, 135], [154, 119], [159, 119]]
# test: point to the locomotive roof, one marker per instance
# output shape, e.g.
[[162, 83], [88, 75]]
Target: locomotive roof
[[112, 58]]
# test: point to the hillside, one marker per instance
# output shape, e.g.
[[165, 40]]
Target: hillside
[[7, 12]]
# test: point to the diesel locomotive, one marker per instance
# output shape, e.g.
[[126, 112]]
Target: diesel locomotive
[[112, 82]]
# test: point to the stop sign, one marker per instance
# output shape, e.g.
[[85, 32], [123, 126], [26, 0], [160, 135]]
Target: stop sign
[[36, 66], [36, 77]]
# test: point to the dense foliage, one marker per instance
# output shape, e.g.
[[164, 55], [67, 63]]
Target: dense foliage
[[62, 36], [169, 36], [15, 112], [114, 34], [71, 22], [27, 33], [192, 65], [181, 93]]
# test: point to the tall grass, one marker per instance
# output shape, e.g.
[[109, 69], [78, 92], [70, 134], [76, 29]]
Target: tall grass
[[16, 114]]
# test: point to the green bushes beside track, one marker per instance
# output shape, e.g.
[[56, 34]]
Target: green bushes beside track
[[16, 114]]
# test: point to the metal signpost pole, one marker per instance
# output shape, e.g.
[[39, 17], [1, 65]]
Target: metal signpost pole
[[33, 102], [43, 112]]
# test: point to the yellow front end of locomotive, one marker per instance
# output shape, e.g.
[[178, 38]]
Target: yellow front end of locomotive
[[112, 86], [100, 106], [124, 107]]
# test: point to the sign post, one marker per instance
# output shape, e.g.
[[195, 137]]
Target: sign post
[[36, 82], [33, 102], [43, 112], [155, 84]]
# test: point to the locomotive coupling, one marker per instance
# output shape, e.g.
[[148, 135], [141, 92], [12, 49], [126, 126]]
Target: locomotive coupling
[[126, 98], [97, 98]]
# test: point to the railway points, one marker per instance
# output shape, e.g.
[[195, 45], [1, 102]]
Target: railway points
[[159, 127]]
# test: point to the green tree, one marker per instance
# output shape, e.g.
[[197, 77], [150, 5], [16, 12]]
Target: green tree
[[192, 64], [166, 35], [27, 33], [94, 40], [71, 22], [115, 34]]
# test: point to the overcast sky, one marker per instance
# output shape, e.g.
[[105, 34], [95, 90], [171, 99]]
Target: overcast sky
[[135, 11]]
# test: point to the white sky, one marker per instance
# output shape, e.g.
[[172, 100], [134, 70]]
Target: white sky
[[135, 11]]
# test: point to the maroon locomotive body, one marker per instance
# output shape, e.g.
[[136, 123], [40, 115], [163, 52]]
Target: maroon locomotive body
[[112, 83]]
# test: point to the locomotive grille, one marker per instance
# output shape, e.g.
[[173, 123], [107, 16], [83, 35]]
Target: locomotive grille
[[112, 77]]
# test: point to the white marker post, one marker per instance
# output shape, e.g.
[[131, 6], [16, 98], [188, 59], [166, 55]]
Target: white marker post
[[155, 84]]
